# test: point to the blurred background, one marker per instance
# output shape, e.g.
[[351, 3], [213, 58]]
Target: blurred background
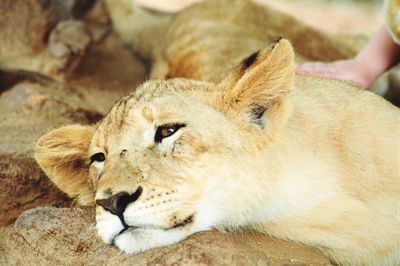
[[335, 16]]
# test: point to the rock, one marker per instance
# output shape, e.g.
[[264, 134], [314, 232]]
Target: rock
[[24, 186], [66, 236], [29, 106]]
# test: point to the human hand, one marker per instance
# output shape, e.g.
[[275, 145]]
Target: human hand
[[350, 70]]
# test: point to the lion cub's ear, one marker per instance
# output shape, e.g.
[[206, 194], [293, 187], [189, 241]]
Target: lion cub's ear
[[259, 87], [63, 154]]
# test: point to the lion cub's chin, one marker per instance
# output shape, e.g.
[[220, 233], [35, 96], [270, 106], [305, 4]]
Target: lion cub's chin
[[108, 226], [135, 239]]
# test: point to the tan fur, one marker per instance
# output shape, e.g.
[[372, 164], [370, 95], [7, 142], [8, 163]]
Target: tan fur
[[321, 169]]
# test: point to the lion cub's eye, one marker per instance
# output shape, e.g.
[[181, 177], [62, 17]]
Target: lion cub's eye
[[165, 131], [97, 157]]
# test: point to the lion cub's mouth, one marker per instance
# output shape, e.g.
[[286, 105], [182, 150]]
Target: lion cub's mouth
[[130, 228], [187, 221]]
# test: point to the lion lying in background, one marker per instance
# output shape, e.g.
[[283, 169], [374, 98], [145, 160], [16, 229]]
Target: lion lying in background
[[208, 39], [301, 158]]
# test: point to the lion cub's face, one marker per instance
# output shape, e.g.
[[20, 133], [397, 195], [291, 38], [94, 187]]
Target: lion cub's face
[[167, 159], [159, 146]]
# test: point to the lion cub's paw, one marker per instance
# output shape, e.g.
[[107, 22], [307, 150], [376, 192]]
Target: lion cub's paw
[[68, 37], [68, 43]]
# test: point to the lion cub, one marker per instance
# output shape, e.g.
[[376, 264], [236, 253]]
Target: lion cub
[[301, 158]]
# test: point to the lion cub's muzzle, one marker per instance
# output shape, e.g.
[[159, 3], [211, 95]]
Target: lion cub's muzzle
[[117, 203]]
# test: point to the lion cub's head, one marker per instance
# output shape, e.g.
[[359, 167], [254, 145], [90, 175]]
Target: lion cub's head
[[175, 154]]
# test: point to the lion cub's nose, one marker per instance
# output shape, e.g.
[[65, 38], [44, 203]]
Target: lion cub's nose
[[117, 203]]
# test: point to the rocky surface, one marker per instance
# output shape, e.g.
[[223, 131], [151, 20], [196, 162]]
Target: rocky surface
[[28, 110], [66, 236]]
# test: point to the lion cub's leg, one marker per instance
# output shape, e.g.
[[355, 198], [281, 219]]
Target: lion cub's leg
[[141, 239], [140, 29], [67, 43]]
